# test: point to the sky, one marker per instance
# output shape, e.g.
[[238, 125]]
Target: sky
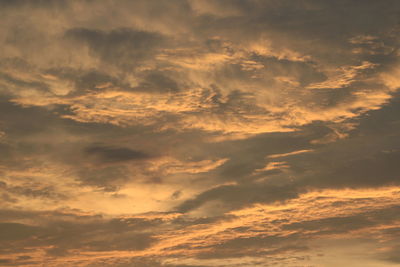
[[200, 133]]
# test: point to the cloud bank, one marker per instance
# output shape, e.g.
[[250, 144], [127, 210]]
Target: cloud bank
[[199, 133]]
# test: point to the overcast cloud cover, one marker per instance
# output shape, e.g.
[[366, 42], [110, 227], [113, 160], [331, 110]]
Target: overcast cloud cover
[[194, 133]]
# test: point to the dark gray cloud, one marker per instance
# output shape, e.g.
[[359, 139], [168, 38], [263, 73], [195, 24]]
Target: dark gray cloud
[[138, 262], [16, 231], [123, 47], [18, 121], [68, 231], [158, 82], [355, 162], [242, 195], [33, 190], [41, 3], [249, 246], [109, 178], [115, 154]]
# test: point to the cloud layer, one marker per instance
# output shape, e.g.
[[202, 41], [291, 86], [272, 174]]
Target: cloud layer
[[199, 133]]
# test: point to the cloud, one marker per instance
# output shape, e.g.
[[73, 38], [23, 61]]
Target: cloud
[[15, 231], [123, 47], [237, 196], [199, 133], [115, 154], [67, 232], [289, 154]]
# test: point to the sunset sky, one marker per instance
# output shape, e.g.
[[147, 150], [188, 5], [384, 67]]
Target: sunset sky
[[200, 133]]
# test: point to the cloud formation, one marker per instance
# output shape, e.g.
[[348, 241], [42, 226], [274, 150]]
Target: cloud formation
[[199, 133]]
